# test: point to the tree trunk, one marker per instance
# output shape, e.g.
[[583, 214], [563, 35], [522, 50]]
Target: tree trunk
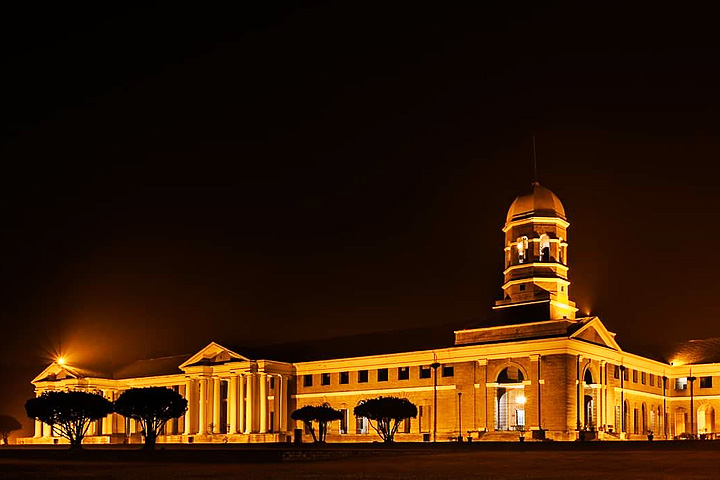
[[150, 441]]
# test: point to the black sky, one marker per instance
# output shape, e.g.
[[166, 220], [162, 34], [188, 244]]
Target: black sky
[[285, 172]]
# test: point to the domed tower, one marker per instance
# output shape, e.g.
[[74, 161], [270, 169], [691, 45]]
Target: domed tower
[[536, 273]]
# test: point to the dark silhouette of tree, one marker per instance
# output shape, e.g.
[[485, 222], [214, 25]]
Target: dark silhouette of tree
[[152, 407], [322, 415], [387, 413], [8, 424], [71, 413]]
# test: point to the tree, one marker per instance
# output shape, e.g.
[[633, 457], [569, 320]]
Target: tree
[[322, 414], [152, 407], [387, 413], [8, 424], [69, 412]]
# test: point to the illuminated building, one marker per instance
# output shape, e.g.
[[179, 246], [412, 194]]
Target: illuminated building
[[533, 369]]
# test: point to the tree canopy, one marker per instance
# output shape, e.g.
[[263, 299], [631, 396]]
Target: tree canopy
[[322, 414], [152, 407], [8, 424], [69, 412], [387, 413]]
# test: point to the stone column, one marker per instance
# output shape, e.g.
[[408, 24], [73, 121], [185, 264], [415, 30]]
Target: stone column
[[249, 405], [108, 420], [278, 404], [241, 405], [202, 422], [263, 403], [191, 413], [232, 403], [38, 429], [216, 405], [46, 430]]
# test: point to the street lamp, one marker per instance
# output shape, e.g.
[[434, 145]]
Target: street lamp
[[460, 437], [520, 425], [435, 367]]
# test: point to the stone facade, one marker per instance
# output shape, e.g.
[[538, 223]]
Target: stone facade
[[536, 372]]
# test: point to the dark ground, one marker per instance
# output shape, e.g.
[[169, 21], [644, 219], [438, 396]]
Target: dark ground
[[628, 460]]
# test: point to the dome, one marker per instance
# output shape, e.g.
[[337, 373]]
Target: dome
[[541, 202]]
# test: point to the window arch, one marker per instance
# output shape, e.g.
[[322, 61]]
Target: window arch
[[544, 248]]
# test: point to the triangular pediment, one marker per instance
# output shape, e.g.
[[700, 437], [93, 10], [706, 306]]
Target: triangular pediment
[[594, 331], [55, 372], [213, 354]]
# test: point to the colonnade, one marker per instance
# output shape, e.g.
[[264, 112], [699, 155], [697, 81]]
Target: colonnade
[[248, 404]]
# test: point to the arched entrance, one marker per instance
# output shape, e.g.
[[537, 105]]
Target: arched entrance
[[706, 419], [680, 421], [625, 416], [589, 401], [644, 429], [510, 400]]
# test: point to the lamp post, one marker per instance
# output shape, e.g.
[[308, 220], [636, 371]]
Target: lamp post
[[520, 425], [435, 367], [692, 379], [460, 437]]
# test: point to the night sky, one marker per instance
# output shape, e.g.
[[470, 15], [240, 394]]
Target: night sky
[[280, 173]]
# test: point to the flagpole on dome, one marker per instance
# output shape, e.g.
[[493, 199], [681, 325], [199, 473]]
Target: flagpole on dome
[[535, 177]]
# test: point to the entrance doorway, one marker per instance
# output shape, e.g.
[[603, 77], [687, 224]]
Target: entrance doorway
[[510, 400]]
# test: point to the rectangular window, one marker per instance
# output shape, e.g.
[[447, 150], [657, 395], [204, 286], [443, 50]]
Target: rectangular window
[[522, 287], [325, 379], [448, 371], [705, 382], [363, 376], [406, 426], [307, 380], [625, 373], [652, 380], [343, 421], [361, 426], [272, 383], [634, 376], [681, 383], [642, 378], [425, 372], [403, 373], [344, 378], [382, 374], [617, 372]]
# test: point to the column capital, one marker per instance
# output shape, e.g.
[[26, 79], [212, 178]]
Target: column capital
[[482, 362]]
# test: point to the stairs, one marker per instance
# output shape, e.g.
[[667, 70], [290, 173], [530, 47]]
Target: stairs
[[501, 436]]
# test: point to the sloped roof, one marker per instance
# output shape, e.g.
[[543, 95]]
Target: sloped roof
[[152, 367], [360, 345], [694, 351]]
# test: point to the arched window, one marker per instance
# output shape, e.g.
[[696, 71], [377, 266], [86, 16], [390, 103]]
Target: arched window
[[522, 248], [588, 377], [544, 248], [510, 375], [561, 250]]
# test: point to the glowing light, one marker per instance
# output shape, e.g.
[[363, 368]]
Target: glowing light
[[61, 361], [521, 399]]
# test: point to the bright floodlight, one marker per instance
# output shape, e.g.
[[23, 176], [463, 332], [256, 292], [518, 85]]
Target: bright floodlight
[[61, 361], [521, 399]]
